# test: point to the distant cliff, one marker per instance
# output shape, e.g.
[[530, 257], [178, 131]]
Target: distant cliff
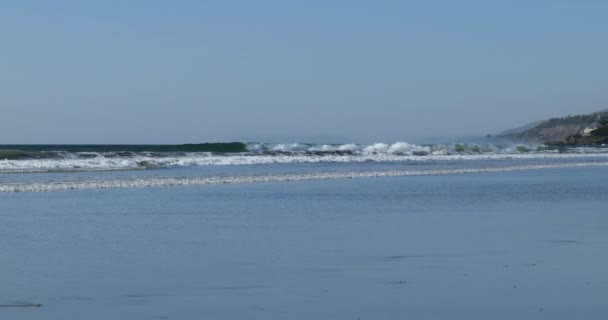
[[590, 129]]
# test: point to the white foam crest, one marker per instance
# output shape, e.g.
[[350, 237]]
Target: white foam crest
[[289, 147], [199, 181], [376, 148], [323, 148], [398, 148], [348, 147]]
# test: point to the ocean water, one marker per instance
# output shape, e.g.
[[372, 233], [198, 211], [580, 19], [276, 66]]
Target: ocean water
[[299, 231]]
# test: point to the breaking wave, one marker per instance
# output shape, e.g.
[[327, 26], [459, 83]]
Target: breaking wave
[[26, 159]]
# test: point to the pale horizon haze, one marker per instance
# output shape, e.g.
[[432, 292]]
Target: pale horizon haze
[[311, 71]]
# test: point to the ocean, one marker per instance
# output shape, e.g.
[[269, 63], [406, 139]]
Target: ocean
[[303, 231]]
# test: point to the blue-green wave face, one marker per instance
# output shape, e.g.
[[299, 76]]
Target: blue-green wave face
[[17, 151], [13, 154]]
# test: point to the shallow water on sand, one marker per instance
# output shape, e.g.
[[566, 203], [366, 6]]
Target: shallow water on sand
[[504, 245]]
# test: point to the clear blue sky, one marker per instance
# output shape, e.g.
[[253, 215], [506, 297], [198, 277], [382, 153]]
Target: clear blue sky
[[343, 71]]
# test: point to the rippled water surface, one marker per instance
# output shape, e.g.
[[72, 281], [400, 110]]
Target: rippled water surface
[[483, 239]]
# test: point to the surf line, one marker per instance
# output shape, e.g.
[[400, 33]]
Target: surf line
[[195, 181]]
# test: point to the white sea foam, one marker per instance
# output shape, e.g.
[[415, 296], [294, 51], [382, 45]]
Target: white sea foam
[[196, 181], [143, 162]]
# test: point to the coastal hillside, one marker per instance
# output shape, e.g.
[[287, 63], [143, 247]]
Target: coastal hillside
[[590, 129]]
